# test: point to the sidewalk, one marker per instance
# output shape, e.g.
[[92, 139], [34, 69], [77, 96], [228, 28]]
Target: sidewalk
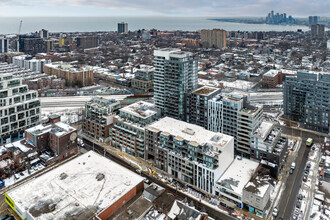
[[284, 175]]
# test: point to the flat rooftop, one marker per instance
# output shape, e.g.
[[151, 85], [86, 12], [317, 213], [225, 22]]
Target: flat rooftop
[[271, 73], [140, 109], [259, 183], [263, 130], [238, 174], [206, 90], [195, 134], [79, 189]]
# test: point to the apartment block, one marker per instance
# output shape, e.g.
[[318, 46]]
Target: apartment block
[[143, 80], [129, 127], [28, 62], [233, 115], [318, 31], [175, 76], [306, 100], [122, 27], [19, 108], [248, 120], [43, 33], [99, 115], [214, 38], [4, 45], [86, 42], [189, 152], [74, 75], [222, 114], [197, 105], [269, 147]]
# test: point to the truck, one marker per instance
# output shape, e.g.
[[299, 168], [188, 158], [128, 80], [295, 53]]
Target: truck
[[309, 142]]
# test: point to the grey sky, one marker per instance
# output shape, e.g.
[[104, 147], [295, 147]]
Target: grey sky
[[195, 8]]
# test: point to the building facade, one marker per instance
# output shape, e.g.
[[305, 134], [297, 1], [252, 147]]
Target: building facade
[[80, 76], [28, 62], [214, 38], [269, 147], [19, 108], [248, 120], [256, 195], [272, 78], [318, 30], [176, 75], [189, 152], [55, 137], [43, 33], [99, 114], [229, 187], [143, 80], [306, 100], [197, 105], [86, 42], [4, 45], [129, 127], [122, 27]]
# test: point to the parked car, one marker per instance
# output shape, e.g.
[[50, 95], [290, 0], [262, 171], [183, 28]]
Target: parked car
[[300, 196], [275, 212], [308, 165], [298, 204], [146, 180], [291, 171], [305, 178], [293, 165], [138, 171]]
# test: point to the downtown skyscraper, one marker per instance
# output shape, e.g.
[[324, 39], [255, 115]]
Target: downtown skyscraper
[[176, 75]]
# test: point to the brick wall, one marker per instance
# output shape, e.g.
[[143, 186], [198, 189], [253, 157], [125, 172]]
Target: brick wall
[[119, 203]]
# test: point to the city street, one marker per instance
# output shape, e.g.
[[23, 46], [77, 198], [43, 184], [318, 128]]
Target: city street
[[287, 203]]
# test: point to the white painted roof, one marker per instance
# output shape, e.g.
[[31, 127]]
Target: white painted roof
[[191, 132], [80, 191], [240, 173], [263, 129]]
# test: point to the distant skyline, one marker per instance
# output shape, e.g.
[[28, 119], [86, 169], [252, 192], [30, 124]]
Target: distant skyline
[[180, 8]]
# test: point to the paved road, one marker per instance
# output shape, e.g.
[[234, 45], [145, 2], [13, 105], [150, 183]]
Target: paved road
[[294, 181], [212, 212], [292, 185]]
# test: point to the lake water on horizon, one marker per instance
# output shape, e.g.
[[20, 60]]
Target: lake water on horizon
[[87, 24]]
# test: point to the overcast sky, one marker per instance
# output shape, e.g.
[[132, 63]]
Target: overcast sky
[[192, 8]]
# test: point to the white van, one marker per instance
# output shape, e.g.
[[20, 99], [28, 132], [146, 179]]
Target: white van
[[293, 165]]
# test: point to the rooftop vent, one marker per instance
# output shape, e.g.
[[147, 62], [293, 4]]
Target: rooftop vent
[[100, 176], [63, 176], [188, 131], [215, 138], [51, 207]]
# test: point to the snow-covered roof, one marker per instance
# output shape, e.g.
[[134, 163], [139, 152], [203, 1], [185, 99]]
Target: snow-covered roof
[[20, 145], [271, 73], [238, 174], [263, 129], [140, 109], [81, 188], [190, 132]]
